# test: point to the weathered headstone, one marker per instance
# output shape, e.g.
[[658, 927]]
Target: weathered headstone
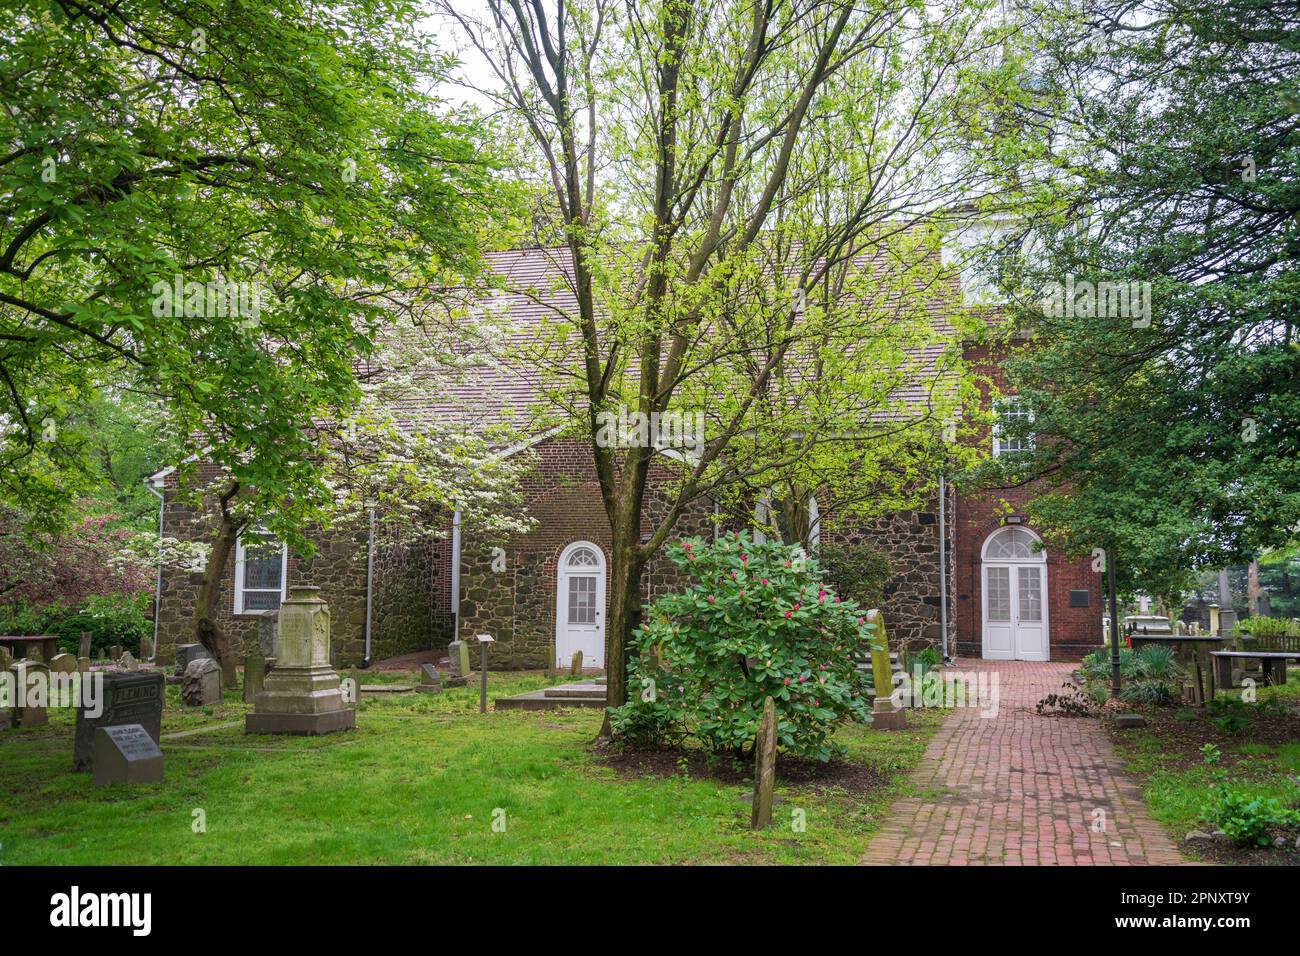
[[185, 653], [267, 625], [575, 668], [115, 653], [63, 664], [103, 656], [457, 664], [126, 753], [125, 698], [884, 715], [31, 684], [201, 684], [6, 659], [127, 661], [764, 767], [83, 665], [146, 648], [254, 676], [84, 649], [430, 680], [302, 695]]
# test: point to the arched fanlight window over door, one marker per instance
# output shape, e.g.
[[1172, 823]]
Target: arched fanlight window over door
[[1014, 591], [580, 604]]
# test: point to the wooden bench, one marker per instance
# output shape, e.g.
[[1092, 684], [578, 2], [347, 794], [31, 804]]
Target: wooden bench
[[1274, 665], [48, 643]]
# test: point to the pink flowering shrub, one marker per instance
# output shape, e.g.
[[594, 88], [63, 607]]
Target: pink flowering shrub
[[758, 621]]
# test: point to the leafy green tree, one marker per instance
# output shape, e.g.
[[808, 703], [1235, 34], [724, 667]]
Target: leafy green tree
[[218, 207], [1151, 152], [741, 192]]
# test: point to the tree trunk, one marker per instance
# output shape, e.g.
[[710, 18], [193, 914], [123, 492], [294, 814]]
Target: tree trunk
[[206, 630], [626, 569]]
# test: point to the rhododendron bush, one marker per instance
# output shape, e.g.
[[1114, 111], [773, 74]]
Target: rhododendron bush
[[758, 621]]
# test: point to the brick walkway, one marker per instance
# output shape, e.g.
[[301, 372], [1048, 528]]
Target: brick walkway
[[1020, 789]]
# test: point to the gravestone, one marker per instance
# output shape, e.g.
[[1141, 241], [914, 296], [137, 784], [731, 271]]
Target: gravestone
[[884, 715], [31, 682], [83, 665], [303, 694], [185, 653], [430, 680], [127, 661], [126, 698], [126, 753], [201, 684], [84, 649], [764, 767], [6, 659], [115, 653], [63, 664], [266, 630], [254, 676], [576, 667], [146, 648], [457, 664], [103, 656]]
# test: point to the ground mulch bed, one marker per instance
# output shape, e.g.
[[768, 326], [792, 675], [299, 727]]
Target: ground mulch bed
[[796, 771], [1181, 742]]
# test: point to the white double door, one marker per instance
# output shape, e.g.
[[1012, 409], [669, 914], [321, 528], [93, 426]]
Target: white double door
[[1015, 611]]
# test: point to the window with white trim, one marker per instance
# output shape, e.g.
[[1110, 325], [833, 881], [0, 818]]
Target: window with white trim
[[261, 568], [1010, 431]]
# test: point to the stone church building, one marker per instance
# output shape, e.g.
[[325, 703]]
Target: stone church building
[[965, 575]]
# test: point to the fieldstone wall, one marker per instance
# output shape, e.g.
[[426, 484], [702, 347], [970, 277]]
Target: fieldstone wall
[[407, 614], [910, 539]]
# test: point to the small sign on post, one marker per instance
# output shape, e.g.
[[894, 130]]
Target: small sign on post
[[483, 641]]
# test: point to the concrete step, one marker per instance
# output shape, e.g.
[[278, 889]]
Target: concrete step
[[581, 689], [538, 700]]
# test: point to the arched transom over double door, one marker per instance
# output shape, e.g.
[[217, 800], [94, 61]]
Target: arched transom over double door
[[1014, 585]]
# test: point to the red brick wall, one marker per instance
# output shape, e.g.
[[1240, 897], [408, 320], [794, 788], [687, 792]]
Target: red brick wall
[[1072, 631]]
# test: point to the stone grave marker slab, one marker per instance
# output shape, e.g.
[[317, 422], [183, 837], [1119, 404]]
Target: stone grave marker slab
[[430, 680], [254, 676], [127, 698], [201, 685], [26, 673], [84, 649], [126, 754], [63, 664]]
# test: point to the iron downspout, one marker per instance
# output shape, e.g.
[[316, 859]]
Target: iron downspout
[[370, 582], [157, 591], [943, 566], [455, 575]]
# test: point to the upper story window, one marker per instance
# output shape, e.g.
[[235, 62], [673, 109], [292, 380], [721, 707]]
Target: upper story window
[[1011, 432], [261, 566]]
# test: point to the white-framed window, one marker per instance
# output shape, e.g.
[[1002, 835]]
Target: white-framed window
[[1010, 434], [261, 572]]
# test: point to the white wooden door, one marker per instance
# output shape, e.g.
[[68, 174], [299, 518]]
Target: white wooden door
[[999, 626], [580, 605], [1014, 579]]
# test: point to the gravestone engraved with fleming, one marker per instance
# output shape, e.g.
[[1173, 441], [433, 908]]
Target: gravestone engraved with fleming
[[126, 754], [126, 698], [302, 695]]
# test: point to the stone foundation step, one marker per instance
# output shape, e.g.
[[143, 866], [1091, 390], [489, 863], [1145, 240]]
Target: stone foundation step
[[540, 700], [377, 690], [579, 689]]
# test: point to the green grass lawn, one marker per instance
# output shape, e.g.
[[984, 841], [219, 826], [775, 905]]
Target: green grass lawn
[[1180, 785], [420, 781]]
